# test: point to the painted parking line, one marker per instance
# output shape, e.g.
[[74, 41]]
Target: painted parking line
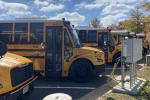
[[47, 87]]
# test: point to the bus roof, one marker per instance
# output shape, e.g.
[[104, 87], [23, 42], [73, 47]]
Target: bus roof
[[28, 20], [119, 32], [89, 28]]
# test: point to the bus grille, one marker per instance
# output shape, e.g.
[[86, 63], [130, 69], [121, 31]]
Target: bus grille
[[19, 75]]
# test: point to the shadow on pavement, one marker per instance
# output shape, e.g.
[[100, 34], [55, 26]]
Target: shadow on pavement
[[75, 90]]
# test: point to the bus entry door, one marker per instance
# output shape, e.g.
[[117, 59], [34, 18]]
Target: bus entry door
[[106, 43], [102, 40], [53, 59]]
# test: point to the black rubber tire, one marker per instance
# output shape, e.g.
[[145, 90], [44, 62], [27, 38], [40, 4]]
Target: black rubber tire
[[81, 71]]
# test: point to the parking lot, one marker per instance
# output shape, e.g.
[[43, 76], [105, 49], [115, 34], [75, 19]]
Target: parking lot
[[75, 90]]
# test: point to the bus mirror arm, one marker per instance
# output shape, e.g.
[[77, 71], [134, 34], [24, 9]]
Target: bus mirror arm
[[66, 48]]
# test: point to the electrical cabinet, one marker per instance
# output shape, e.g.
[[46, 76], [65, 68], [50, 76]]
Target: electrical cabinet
[[132, 49], [148, 60]]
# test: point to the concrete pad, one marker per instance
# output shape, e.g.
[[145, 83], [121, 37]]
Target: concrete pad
[[127, 90], [99, 91]]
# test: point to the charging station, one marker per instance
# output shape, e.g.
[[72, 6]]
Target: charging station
[[131, 53]]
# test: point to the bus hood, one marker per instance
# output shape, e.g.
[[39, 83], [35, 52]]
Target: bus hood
[[12, 60], [9, 62], [91, 49], [95, 55]]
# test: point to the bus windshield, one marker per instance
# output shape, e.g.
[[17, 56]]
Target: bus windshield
[[74, 36]]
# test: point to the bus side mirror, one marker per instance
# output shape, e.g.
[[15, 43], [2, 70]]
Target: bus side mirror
[[3, 48], [43, 45], [106, 43]]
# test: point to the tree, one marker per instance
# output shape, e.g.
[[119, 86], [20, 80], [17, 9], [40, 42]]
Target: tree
[[128, 25], [135, 23], [146, 6], [137, 18], [95, 22], [114, 26], [147, 24]]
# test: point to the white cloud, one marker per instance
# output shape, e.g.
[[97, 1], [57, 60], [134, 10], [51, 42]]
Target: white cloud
[[111, 19], [129, 1], [18, 14], [89, 6], [47, 5], [64, 0], [101, 3], [52, 7], [74, 17], [116, 8], [119, 1], [40, 3], [13, 6], [14, 9]]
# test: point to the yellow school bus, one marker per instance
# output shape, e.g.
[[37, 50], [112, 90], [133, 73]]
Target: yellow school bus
[[16, 75], [53, 46], [104, 39]]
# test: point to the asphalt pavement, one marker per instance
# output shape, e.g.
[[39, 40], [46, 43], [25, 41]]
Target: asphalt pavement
[[75, 90]]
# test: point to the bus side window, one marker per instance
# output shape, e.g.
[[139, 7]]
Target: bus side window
[[21, 33], [92, 36], [6, 32], [36, 33], [68, 52], [82, 36]]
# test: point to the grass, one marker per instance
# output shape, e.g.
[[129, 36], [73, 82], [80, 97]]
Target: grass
[[145, 91], [144, 94], [116, 96]]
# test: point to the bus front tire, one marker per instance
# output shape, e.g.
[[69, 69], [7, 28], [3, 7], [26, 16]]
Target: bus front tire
[[81, 71]]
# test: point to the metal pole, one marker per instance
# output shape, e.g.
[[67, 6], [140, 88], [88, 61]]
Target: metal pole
[[122, 71], [135, 73], [131, 75], [123, 61]]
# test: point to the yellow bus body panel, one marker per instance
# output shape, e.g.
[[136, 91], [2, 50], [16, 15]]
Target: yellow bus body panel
[[8, 62]]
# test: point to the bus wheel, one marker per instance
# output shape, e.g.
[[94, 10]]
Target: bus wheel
[[82, 71]]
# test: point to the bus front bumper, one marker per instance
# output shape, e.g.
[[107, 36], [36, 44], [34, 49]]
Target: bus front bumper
[[20, 91]]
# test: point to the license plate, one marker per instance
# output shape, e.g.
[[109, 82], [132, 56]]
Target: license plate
[[25, 89]]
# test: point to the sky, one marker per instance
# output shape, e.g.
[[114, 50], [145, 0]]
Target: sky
[[79, 12]]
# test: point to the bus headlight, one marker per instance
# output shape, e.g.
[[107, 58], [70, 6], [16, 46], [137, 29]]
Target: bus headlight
[[99, 60], [98, 57], [1, 86]]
